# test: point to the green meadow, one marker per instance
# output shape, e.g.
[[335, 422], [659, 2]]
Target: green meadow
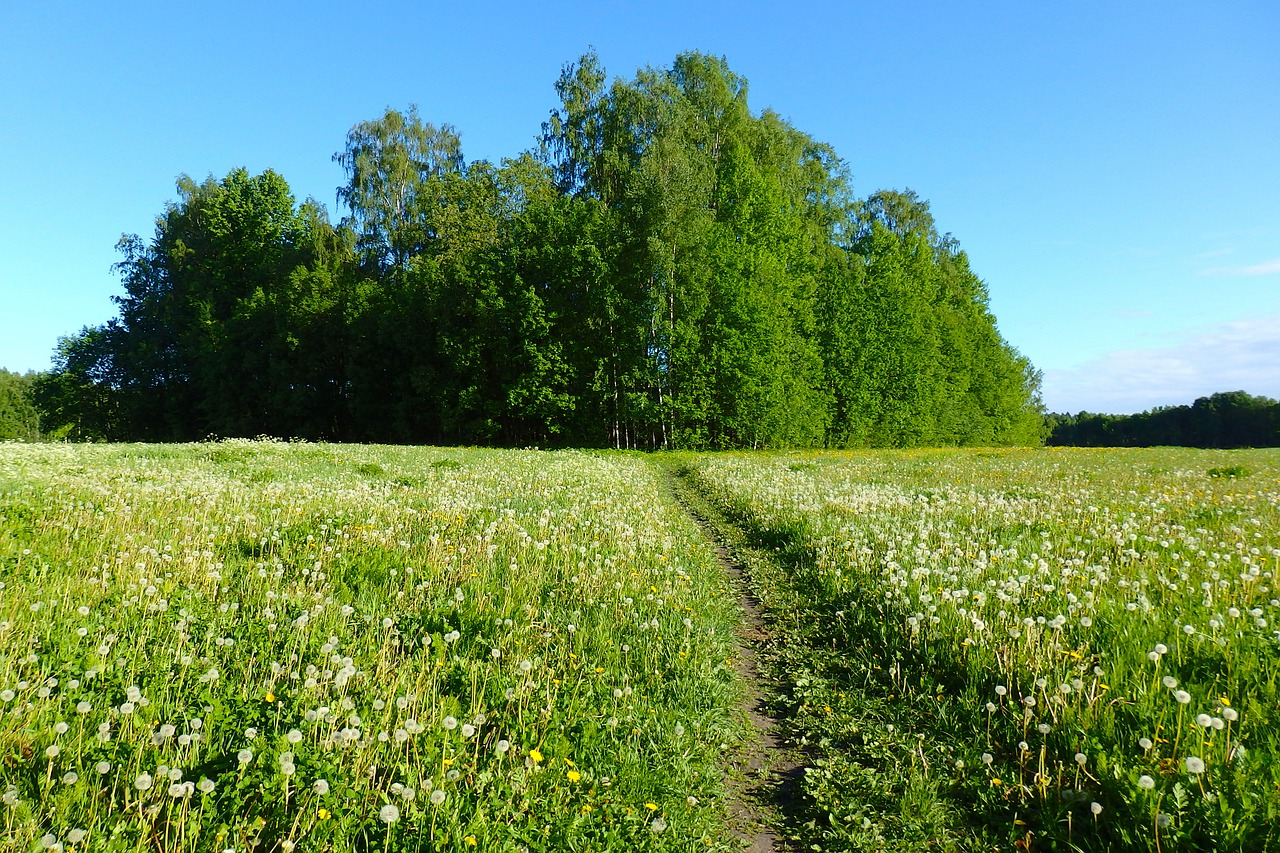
[[1025, 649], [265, 646]]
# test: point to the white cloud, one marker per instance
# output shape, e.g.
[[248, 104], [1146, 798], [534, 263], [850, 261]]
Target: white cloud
[[1243, 356], [1264, 268]]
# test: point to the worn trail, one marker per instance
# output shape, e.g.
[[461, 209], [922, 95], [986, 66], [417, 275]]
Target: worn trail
[[764, 774]]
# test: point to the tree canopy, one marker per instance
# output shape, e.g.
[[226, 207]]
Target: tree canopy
[[19, 417], [666, 269], [1227, 419]]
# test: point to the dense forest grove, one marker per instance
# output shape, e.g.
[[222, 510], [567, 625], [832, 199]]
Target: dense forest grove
[[664, 269]]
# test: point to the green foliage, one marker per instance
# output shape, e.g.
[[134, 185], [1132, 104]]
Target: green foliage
[[670, 270], [19, 417], [1229, 419]]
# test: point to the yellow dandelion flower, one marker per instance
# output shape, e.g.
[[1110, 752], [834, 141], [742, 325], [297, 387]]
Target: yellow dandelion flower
[[535, 754], [653, 807], [270, 697], [574, 775], [324, 814], [470, 841]]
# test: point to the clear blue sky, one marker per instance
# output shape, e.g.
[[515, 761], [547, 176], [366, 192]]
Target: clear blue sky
[[1113, 169]]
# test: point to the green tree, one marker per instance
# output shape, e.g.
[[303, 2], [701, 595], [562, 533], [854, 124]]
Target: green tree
[[19, 417], [223, 327], [392, 164]]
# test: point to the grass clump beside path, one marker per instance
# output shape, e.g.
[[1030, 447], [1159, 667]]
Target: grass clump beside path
[[1024, 650], [261, 646]]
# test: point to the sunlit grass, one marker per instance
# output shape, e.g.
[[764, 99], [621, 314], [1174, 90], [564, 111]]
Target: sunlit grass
[[1042, 647], [261, 646]]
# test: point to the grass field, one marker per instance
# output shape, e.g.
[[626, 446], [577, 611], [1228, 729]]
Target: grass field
[[273, 647], [1048, 649], [266, 646]]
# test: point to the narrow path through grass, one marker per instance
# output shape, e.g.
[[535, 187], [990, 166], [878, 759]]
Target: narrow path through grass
[[764, 774]]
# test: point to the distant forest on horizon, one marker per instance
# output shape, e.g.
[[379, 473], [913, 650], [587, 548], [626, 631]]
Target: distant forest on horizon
[[665, 269], [1228, 419]]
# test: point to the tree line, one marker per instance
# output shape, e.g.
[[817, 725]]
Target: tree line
[[1227, 420], [19, 417], [665, 268]]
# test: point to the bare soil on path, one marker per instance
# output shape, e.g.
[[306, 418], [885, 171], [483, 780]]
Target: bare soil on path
[[763, 774]]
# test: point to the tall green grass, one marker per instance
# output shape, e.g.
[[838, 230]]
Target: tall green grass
[[1050, 649], [268, 647]]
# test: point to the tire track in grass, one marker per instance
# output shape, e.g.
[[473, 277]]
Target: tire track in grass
[[764, 775]]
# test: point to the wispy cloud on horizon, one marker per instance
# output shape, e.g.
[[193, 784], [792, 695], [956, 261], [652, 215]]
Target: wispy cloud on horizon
[[1264, 268], [1243, 355]]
